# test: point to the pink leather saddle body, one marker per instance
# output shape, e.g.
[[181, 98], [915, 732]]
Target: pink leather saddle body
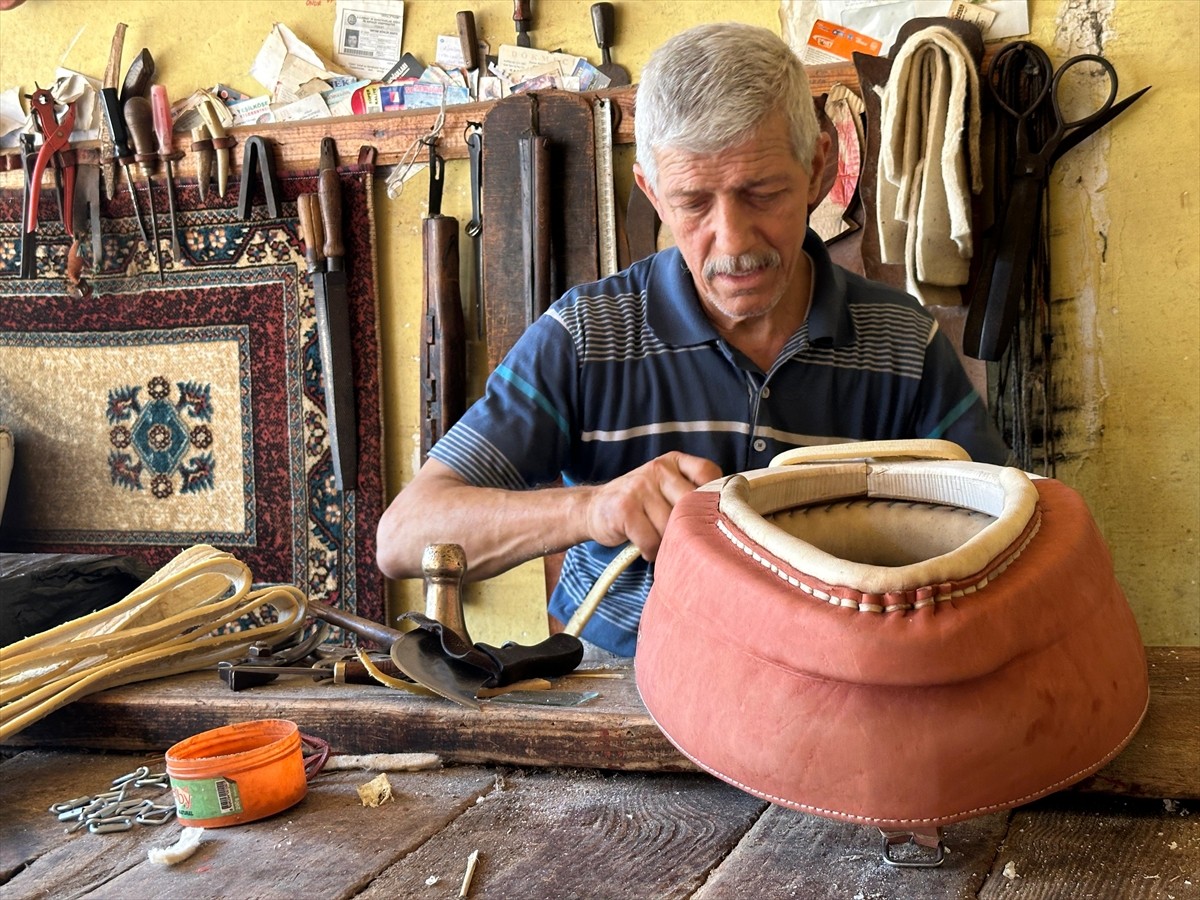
[[903, 644]]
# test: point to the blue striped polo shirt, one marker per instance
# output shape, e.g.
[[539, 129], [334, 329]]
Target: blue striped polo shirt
[[625, 369]]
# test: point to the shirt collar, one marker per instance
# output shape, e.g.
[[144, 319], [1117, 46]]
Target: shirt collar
[[676, 316], [829, 322], [674, 310]]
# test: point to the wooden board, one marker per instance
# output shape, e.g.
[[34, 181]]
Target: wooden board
[[614, 731], [297, 145], [603, 835], [790, 854], [1163, 759], [1078, 846], [569, 833], [565, 121], [327, 842], [611, 732]]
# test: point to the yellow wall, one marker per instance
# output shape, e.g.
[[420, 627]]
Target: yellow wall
[[1127, 352], [1126, 260]]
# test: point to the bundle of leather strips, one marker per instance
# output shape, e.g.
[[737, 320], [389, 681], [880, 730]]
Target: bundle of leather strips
[[167, 626], [892, 642]]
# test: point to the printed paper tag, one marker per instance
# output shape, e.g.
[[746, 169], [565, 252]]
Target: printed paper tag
[[972, 12], [207, 798]]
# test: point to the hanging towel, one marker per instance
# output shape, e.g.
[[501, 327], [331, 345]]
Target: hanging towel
[[929, 165]]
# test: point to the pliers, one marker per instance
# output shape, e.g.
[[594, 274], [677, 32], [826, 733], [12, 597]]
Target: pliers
[[56, 136]]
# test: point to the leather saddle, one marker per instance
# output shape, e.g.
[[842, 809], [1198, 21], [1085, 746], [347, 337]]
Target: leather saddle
[[887, 640]]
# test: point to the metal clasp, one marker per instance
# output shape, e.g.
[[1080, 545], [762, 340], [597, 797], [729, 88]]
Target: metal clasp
[[927, 838]]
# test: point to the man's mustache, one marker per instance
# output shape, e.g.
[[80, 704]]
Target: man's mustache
[[742, 264]]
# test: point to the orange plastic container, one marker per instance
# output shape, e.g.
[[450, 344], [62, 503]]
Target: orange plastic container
[[237, 773]]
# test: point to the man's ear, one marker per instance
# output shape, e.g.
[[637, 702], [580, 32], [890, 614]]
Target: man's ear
[[817, 167], [642, 182]]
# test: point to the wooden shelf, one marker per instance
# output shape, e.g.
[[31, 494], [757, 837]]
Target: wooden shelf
[[297, 145]]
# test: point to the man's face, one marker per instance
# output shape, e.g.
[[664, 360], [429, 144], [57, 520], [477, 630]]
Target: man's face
[[739, 218]]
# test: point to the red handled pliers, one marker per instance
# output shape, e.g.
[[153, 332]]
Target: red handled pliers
[[56, 136]]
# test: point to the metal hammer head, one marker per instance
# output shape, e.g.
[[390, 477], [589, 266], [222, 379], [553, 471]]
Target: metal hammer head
[[444, 567]]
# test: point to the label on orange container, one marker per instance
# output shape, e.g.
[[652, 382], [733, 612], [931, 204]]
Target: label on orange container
[[206, 798], [833, 43]]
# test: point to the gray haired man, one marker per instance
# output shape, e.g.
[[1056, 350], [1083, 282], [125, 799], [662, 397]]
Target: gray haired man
[[711, 357]]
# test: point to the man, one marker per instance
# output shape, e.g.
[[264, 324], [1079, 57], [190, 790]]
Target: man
[[704, 359]]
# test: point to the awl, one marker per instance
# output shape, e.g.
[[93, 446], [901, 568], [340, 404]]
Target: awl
[[168, 154], [139, 118], [115, 117]]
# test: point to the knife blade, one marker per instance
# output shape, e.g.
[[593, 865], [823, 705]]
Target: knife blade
[[112, 72], [333, 332]]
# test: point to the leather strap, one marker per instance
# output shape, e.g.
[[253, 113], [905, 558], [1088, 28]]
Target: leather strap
[[165, 627]]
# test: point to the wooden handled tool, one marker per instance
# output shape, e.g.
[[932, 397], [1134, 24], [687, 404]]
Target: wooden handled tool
[[139, 119], [334, 334], [163, 126], [468, 40], [443, 331], [522, 19], [604, 26]]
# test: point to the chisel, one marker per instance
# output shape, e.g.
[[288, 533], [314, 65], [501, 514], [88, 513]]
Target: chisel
[[522, 18]]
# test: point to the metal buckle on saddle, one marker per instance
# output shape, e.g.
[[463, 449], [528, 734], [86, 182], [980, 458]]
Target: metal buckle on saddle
[[927, 838]]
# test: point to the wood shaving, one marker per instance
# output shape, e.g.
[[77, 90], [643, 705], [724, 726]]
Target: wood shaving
[[188, 843], [384, 762], [376, 792], [472, 861]]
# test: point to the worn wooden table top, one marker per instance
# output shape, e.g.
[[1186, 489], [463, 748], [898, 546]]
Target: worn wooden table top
[[534, 791], [570, 833]]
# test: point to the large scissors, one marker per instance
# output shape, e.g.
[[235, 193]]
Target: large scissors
[[1044, 130]]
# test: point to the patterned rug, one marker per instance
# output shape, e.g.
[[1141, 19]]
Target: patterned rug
[[151, 415]]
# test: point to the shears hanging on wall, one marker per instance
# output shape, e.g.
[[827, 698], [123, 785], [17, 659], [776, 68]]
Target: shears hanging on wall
[[1026, 86]]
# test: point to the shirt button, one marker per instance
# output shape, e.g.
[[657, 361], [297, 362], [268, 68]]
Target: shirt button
[[760, 445], [766, 392]]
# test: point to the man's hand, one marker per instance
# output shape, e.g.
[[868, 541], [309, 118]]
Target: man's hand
[[636, 506]]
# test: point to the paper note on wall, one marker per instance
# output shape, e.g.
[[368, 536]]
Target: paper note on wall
[[367, 36], [882, 19]]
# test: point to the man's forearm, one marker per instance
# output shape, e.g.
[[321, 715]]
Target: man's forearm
[[497, 529]]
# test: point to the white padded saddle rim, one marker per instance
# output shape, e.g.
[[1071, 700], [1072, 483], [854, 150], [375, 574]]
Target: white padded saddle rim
[[1004, 493]]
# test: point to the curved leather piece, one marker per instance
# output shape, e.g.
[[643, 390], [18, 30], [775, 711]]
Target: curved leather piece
[[898, 719], [1004, 493]]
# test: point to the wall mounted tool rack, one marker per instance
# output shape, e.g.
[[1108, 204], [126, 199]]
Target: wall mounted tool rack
[[297, 144]]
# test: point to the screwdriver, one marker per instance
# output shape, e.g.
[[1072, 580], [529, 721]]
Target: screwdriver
[[121, 151], [140, 120], [167, 153]]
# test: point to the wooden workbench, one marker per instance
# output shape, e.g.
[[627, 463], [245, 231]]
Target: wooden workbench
[[532, 788], [576, 834]]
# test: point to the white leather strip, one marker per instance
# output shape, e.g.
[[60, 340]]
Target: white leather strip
[[168, 625], [748, 501]]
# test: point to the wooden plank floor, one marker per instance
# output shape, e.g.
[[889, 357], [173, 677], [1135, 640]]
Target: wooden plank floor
[[566, 833]]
